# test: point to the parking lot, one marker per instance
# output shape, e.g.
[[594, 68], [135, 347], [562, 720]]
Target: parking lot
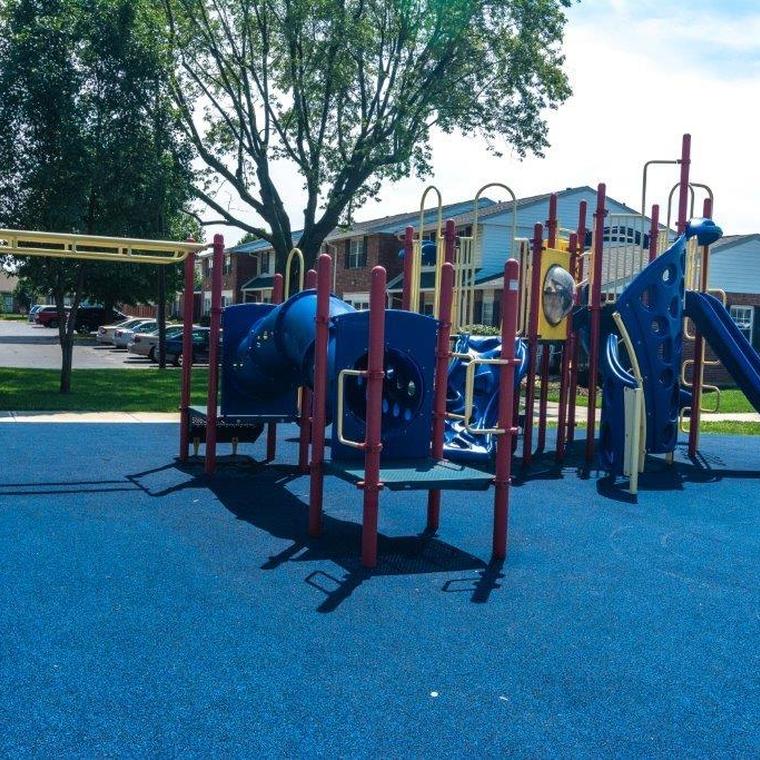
[[27, 345]]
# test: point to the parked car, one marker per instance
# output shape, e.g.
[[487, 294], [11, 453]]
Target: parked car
[[122, 336], [47, 316], [200, 347], [90, 318], [146, 344], [35, 309], [105, 332]]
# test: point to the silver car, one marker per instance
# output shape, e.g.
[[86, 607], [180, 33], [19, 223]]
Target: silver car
[[105, 332], [122, 336], [146, 344]]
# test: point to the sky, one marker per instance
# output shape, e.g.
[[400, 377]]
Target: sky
[[642, 73]]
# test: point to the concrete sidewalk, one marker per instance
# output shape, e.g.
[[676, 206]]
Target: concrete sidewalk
[[173, 417], [111, 417]]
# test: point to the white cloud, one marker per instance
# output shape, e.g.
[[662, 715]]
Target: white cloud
[[642, 75]]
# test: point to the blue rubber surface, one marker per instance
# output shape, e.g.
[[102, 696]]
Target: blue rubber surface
[[144, 613]]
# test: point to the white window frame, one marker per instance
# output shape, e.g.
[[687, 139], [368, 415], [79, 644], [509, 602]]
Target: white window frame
[[227, 298], [745, 323], [265, 263], [356, 252], [487, 307], [360, 301]]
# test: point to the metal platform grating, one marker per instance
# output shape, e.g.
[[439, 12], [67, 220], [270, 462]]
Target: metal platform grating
[[417, 475]]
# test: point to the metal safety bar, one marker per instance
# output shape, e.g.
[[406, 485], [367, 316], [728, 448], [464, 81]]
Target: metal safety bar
[[339, 417], [294, 253], [638, 431], [469, 392]]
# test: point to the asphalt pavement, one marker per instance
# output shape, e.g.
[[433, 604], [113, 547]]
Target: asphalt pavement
[[27, 345]]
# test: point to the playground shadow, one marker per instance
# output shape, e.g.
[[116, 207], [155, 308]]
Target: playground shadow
[[281, 514]]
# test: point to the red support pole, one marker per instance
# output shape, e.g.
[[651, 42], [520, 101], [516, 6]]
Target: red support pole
[[278, 294], [450, 241], [699, 351], [530, 379], [543, 399], [595, 306], [503, 469], [683, 190], [654, 233], [373, 442], [442, 357], [304, 421], [213, 354], [551, 222], [319, 397], [406, 293], [187, 352], [566, 368], [577, 272]]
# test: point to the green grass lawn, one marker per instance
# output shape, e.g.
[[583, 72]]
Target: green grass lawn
[[98, 390], [731, 399]]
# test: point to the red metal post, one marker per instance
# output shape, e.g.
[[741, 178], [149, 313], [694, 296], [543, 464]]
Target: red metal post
[[595, 305], [567, 352], [213, 354], [278, 291], [450, 241], [543, 399], [406, 293], [304, 437], [551, 222], [319, 397], [683, 190], [187, 351], [699, 351], [654, 232], [442, 356], [530, 379], [373, 442], [503, 470], [577, 272]]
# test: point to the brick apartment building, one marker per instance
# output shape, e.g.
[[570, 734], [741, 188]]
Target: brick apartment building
[[357, 249]]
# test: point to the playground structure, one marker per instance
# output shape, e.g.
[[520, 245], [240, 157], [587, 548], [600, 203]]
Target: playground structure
[[379, 376], [412, 411]]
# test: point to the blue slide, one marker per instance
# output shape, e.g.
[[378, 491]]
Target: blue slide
[[727, 341]]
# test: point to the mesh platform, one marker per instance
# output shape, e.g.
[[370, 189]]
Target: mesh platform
[[417, 475]]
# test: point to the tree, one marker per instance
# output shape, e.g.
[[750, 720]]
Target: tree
[[349, 92], [87, 142]]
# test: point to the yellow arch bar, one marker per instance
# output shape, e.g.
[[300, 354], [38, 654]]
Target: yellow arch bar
[[95, 247]]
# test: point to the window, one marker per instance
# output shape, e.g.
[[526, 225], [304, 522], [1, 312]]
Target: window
[[360, 301], [356, 253], [265, 263], [743, 319], [227, 263], [207, 303], [486, 316]]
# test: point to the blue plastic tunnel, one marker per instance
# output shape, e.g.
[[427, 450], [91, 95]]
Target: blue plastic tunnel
[[277, 353]]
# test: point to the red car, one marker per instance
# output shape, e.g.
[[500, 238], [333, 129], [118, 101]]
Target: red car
[[47, 316]]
